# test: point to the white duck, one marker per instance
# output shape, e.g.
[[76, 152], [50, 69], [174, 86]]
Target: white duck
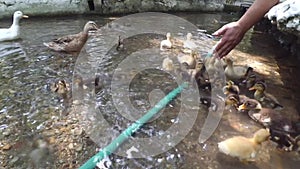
[[166, 43], [12, 33]]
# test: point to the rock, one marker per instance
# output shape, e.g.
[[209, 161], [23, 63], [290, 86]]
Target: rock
[[287, 16], [6, 147]]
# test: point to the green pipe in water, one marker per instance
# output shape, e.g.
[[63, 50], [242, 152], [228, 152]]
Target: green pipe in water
[[106, 151]]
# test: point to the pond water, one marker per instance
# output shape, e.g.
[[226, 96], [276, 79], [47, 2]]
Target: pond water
[[28, 107]]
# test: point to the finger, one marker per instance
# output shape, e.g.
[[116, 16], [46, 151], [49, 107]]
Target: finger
[[225, 48], [221, 43], [221, 31]]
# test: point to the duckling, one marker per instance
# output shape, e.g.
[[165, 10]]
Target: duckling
[[12, 33], [244, 148], [189, 60], [60, 87], [236, 73], [231, 88], [189, 43], [166, 43], [72, 43], [232, 100], [282, 130], [168, 64], [265, 98], [120, 45]]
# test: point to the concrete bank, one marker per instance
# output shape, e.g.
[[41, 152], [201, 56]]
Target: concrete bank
[[64, 7]]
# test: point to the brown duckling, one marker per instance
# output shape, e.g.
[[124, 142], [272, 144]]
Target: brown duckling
[[120, 45], [283, 130], [244, 148], [265, 98], [72, 43], [60, 87], [231, 88]]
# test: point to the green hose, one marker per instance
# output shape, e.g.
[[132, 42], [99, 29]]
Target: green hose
[[106, 151]]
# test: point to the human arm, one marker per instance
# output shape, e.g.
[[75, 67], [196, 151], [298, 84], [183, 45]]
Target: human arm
[[232, 33]]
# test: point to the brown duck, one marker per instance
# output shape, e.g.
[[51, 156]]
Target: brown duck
[[72, 43]]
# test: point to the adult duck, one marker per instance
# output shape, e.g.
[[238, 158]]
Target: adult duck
[[72, 43], [12, 33]]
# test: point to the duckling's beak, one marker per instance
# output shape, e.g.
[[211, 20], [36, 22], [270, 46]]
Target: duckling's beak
[[252, 88], [25, 16], [242, 107]]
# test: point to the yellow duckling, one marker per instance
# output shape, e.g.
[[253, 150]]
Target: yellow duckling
[[72, 43], [244, 148], [168, 64], [265, 98], [231, 88], [166, 43], [12, 33], [236, 73]]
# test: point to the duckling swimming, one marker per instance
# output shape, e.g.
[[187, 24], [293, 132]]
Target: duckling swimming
[[12, 33], [120, 45], [265, 98], [168, 64], [189, 43], [166, 44], [72, 43], [60, 87], [244, 148]]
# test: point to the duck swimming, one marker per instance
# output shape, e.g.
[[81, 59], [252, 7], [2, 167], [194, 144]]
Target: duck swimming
[[12, 33], [72, 43], [166, 43]]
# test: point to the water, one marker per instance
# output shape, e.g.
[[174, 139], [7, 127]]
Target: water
[[28, 107]]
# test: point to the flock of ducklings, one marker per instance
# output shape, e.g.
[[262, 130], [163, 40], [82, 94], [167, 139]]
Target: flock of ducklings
[[261, 107]]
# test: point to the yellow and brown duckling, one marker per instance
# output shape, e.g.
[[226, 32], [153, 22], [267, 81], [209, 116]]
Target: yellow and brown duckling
[[265, 98], [168, 64], [283, 130], [244, 148], [231, 88], [236, 73], [60, 87], [72, 43]]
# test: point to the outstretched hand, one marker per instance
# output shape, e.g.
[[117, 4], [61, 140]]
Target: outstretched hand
[[232, 33]]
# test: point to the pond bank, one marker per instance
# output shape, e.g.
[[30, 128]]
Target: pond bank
[[65, 7]]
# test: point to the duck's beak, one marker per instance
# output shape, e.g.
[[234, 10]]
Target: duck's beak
[[242, 107], [252, 88], [25, 16]]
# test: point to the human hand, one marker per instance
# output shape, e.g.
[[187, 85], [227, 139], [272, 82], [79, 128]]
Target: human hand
[[232, 33]]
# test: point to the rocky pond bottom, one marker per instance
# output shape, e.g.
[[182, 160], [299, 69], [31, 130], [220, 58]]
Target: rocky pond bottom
[[39, 129]]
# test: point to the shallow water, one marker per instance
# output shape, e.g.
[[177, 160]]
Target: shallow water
[[27, 69]]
